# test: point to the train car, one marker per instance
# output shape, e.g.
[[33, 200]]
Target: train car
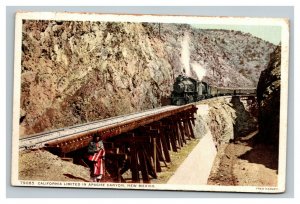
[[225, 91], [187, 90], [245, 91], [214, 91], [206, 91]]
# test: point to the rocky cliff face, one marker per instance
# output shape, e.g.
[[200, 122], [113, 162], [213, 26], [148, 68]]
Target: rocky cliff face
[[226, 119], [75, 72], [268, 97], [231, 120]]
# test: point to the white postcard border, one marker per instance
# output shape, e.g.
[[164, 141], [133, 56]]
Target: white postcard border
[[69, 16]]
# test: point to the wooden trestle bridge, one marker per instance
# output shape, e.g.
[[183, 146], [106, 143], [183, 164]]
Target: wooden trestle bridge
[[139, 142]]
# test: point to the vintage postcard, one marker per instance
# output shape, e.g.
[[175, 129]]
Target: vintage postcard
[[150, 102]]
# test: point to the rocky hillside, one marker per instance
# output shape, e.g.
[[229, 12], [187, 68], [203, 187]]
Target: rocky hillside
[[268, 97], [75, 72], [229, 58]]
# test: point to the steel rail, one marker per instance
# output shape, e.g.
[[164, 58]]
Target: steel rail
[[43, 134], [81, 140], [39, 139]]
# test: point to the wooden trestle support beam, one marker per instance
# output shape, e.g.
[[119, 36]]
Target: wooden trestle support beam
[[143, 149]]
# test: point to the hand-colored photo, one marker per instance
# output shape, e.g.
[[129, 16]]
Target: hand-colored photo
[[150, 102]]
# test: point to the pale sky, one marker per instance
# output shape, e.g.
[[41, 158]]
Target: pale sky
[[268, 33]]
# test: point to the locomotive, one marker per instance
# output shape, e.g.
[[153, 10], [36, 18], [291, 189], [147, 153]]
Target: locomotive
[[187, 90]]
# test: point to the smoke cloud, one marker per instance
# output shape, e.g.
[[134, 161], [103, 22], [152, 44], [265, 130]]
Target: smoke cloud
[[185, 54], [185, 59], [199, 70]]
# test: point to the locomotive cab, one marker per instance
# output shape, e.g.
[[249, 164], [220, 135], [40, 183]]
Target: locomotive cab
[[206, 90], [201, 90]]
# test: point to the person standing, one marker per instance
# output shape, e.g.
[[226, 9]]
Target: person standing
[[96, 155]]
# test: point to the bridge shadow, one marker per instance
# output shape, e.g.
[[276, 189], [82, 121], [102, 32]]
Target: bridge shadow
[[246, 118], [245, 123], [260, 153]]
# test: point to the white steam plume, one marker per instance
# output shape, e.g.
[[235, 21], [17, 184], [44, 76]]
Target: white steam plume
[[185, 54], [199, 70]]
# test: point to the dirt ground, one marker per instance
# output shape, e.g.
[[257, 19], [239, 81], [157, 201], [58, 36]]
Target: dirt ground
[[245, 163], [42, 165]]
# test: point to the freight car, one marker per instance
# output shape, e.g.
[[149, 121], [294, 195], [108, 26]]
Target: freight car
[[187, 90]]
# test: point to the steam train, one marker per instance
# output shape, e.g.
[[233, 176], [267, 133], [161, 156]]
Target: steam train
[[187, 90]]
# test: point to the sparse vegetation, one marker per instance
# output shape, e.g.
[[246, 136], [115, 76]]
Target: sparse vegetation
[[177, 159]]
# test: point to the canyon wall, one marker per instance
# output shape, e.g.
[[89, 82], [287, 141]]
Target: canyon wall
[[75, 72]]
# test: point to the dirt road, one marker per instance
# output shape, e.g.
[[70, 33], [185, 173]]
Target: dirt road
[[245, 163], [240, 163], [196, 167]]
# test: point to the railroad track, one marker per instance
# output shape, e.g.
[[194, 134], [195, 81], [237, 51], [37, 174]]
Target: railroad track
[[39, 140]]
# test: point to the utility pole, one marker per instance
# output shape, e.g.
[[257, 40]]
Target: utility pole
[[159, 29]]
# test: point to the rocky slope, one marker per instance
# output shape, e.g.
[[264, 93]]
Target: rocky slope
[[268, 97], [44, 166], [230, 58], [75, 72]]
